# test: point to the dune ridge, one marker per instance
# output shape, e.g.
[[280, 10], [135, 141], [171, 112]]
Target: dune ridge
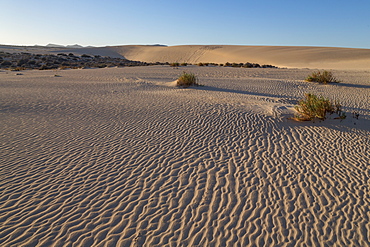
[[120, 157], [282, 56]]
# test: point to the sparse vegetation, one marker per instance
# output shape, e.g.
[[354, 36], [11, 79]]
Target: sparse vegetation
[[187, 80], [247, 65], [23, 61], [317, 107], [174, 64], [322, 77]]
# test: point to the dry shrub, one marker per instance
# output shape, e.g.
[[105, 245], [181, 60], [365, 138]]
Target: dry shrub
[[187, 80], [317, 107], [322, 77]]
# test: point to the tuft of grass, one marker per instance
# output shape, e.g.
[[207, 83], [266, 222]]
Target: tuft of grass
[[174, 64], [187, 80], [313, 106], [322, 77]]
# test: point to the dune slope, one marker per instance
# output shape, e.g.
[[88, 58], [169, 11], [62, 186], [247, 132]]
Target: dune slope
[[282, 56]]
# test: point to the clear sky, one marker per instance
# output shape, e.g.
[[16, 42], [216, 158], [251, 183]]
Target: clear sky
[[336, 23]]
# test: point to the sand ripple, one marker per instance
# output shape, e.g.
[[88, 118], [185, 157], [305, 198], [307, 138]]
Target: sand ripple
[[115, 157]]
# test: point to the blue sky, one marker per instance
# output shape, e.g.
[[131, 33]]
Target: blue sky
[[335, 23]]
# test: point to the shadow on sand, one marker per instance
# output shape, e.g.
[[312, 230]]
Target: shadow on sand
[[278, 98], [352, 85]]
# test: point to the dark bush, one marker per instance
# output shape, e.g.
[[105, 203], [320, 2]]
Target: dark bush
[[6, 63], [174, 64], [43, 67]]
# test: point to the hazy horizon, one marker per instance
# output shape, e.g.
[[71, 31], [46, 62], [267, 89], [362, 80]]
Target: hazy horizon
[[164, 45]]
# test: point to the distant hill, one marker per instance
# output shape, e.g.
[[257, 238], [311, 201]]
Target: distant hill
[[75, 46], [54, 46]]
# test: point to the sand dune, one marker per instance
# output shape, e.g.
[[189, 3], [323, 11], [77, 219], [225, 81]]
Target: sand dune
[[120, 157], [282, 56]]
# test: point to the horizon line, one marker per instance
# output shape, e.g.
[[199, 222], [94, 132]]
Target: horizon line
[[49, 45]]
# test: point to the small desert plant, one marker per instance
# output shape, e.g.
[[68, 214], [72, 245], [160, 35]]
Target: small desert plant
[[184, 64], [236, 65], [322, 77], [187, 80], [174, 64], [317, 107], [17, 69]]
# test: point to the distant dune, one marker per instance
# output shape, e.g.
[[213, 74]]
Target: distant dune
[[282, 56]]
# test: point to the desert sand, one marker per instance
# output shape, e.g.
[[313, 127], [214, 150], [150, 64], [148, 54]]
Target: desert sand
[[122, 157], [281, 56]]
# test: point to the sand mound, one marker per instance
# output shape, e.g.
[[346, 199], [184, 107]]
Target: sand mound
[[116, 157]]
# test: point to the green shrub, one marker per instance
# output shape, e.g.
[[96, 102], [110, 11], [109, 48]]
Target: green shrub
[[322, 77], [184, 64], [174, 64], [317, 107], [187, 80]]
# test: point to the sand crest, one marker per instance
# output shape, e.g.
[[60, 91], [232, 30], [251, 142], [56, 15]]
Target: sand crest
[[121, 157]]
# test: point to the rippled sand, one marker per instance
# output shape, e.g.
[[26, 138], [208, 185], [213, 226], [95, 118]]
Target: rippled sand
[[120, 157]]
